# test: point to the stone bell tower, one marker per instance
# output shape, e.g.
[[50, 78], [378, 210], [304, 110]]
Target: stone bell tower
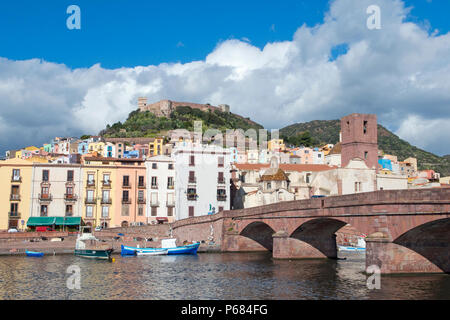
[[359, 139]]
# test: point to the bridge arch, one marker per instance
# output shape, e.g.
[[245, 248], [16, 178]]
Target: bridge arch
[[259, 232], [320, 234], [430, 240]]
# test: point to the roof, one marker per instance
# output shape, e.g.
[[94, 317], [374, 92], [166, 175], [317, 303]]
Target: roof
[[337, 149], [285, 166], [112, 159], [274, 174]]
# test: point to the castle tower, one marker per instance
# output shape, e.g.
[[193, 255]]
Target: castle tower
[[142, 103], [359, 139]]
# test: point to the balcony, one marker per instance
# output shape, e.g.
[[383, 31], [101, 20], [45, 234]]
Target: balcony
[[69, 214], [141, 201], [70, 197], [170, 204], [192, 196], [221, 197], [126, 186], [90, 201], [14, 197], [14, 215], [220, 180], [90, 184], [16, 179], [141, 186], [106, 201], [154, 203], [45, 197], [154, 186], [170, 186], [126, 200], [106, 184]]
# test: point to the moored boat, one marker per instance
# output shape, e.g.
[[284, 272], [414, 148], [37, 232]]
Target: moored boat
[[34, 254], [151, 253], [88, 246], [166, 244]]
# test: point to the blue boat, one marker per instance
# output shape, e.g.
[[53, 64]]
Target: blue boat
[[34, 254], [167, 244]]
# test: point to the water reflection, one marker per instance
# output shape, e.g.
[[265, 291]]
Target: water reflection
[[209, 276]]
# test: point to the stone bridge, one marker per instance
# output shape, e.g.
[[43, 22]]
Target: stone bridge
[[408, 230]]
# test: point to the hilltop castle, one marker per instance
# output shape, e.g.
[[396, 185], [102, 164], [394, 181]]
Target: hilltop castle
[[164, 108]]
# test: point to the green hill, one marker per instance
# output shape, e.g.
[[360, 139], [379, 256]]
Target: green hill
[[320, 132], [146, 124]]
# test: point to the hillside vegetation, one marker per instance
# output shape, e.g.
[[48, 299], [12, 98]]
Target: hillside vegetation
[[146, 124]]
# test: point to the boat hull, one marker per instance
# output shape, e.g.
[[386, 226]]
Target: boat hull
[[344, 248], [94, 254], [151, 253], [188, 249], [34, 254]]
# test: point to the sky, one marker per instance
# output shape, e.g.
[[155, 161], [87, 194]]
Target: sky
[[277, 62]]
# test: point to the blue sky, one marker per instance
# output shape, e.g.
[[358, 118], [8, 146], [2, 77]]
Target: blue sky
[[277, 62], [128, 33]]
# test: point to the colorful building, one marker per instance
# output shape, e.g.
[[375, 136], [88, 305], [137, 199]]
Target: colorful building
[[155, 147], [15, 191]]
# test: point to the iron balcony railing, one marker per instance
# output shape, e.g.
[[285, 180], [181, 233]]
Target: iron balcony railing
[[14, 215], [106, 201], [70, 197], [126, 200], [90, 200], [16, 179], [14, 197], [221, 197], [45, 197]]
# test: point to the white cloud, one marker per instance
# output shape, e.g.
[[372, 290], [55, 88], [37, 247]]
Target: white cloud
[[401, 73]]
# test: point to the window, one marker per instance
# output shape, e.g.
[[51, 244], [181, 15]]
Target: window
[[14, 208], [154, 182], [69, 210], [154, 211], [16, 174], [170, 199], [125, 211], [141, 181], [191, 211], [70, 175], [140, 211], [44, 192], [192, 176], [357, 186], [154, 166], [105, 195], [169, 211], [192, 161], [90, 179], [154, 198], [269, 185], [319, 155], [308, 177], [221, 179], [221, 194], [191, 193], [89, 211], [220, 209], [106, 178], [170, 166], [90, 195], [141, 195], [169, 182], [69, 192], [365, 127], [105, 212], [220, 161], [366, 154], [44, 211], [15, 193], [126, 181], [125, 196], [45, 175]]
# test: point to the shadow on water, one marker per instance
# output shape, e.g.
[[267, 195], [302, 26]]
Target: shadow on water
[[208, 276]]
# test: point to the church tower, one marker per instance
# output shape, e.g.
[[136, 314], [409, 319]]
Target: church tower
[[359, 139]]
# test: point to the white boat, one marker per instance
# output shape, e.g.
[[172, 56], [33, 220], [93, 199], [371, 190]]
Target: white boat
[[151, 253], [361, 246]]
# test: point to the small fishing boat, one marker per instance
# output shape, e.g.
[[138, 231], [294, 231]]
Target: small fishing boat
[[168, 244], [34, 254], [361, 246], [88, 246]]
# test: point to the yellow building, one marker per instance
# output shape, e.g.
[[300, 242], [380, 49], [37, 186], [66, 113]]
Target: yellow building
[[99, 175], [155, 148], [15, 193], [96, 147], [276, 145]]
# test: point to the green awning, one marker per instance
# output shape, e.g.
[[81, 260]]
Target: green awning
[[40, 221], [68, 221], [48, 221]]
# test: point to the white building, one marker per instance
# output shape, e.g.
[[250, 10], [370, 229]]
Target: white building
[[202, 180], [160, 188], [56, 190]]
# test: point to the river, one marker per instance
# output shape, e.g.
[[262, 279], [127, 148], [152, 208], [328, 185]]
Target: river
[[208, 276]]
